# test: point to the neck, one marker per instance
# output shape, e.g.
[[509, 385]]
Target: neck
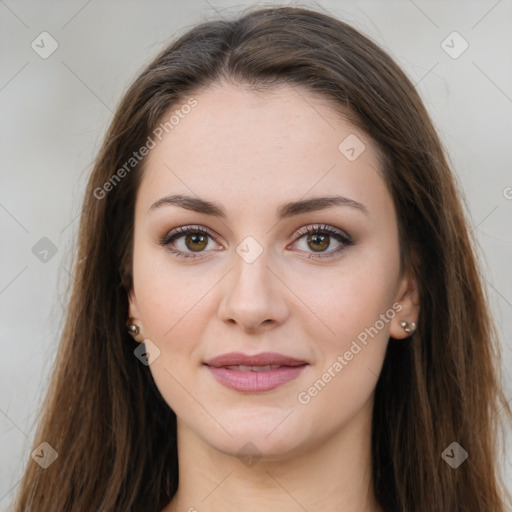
[[334, 475]]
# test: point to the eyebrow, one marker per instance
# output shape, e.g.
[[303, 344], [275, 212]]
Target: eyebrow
[[290, 209]]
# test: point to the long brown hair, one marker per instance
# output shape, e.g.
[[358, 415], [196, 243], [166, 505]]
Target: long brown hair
[[115, 435]]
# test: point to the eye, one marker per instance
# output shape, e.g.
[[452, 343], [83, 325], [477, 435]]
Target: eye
[[193, 241], [319, 239], [185, 239]]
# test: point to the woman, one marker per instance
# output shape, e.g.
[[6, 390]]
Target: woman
[[276, 296]]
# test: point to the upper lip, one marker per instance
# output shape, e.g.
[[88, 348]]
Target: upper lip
[[262, 359]]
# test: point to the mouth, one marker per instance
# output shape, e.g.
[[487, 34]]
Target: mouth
[[256, 373], [254, 368]]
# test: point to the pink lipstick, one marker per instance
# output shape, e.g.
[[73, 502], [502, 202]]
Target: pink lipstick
[[255, 373]]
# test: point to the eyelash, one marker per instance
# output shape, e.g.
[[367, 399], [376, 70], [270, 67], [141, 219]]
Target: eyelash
[[340, 236]]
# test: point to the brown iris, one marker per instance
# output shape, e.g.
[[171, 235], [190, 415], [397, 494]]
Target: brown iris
[[198, 241], [319, 239]]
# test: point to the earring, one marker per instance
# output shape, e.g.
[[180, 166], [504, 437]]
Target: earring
[[133, 329], [408, 327]]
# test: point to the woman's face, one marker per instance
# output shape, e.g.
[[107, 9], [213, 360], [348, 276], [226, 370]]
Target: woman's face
[[248, 169]]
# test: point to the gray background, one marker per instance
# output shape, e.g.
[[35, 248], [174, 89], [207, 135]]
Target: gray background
[[55, 112]]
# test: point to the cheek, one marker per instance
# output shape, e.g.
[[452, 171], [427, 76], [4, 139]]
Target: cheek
[[349, 361], [355, 306], [174, 311], [351, 298], [169, 298]]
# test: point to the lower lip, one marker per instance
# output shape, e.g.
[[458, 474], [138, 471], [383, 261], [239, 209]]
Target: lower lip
[[255, 381]]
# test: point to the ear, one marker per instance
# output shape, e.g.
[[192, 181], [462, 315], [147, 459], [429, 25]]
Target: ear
[[408, 298], [135, 317]]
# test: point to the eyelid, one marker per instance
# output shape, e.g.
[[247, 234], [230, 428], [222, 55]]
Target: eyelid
[[186, 230], [322, 228], [341, 237], [181, 231]]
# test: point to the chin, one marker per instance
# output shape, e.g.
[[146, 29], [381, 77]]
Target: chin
[[270, 438]]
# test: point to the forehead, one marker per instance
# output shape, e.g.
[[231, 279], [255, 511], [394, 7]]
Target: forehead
[[260, 147]]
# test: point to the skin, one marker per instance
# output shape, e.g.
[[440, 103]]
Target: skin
[[251, 152]]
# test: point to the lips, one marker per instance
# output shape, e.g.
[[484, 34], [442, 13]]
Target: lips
[[256, 373], [257, 360], [254, 368]]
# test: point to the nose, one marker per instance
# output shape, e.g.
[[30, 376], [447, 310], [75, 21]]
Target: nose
[[254, 297]]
